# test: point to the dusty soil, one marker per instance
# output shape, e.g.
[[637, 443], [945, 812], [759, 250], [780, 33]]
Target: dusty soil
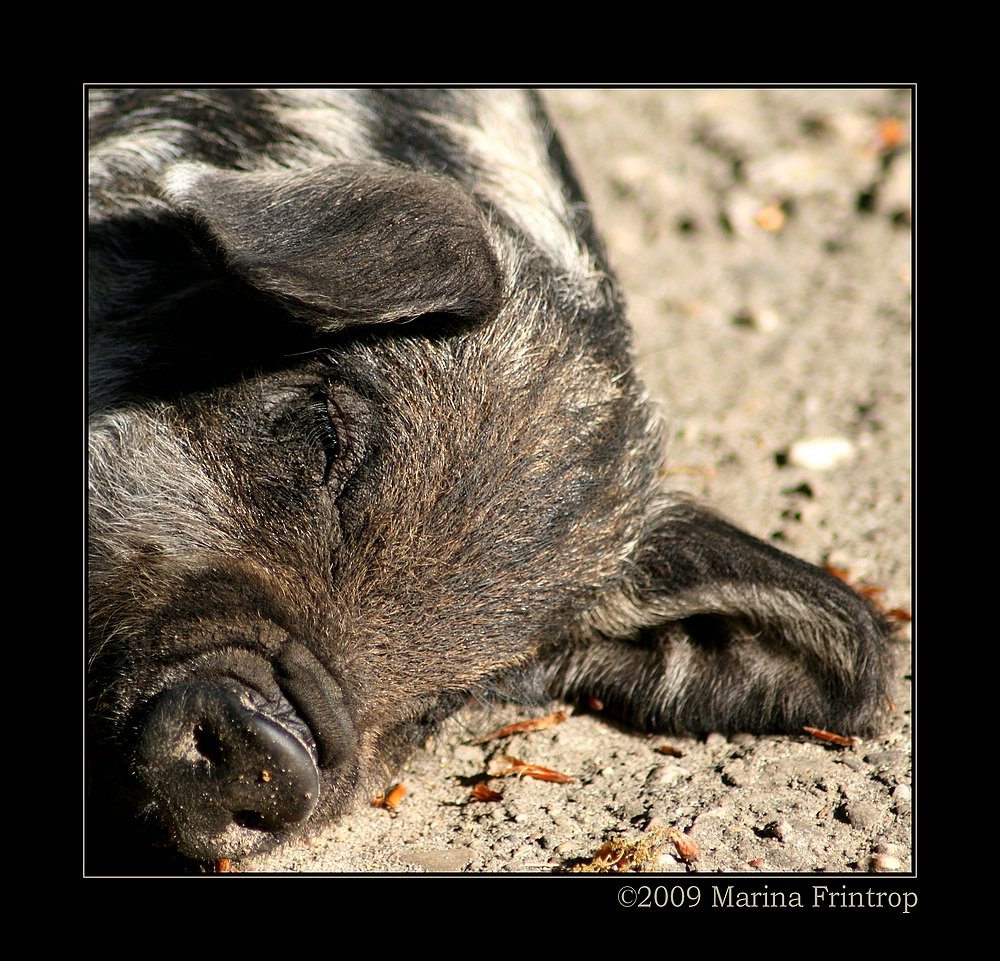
[[763, 239]]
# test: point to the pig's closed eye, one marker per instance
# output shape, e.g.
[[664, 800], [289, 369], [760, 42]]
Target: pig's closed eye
[[330, 433]]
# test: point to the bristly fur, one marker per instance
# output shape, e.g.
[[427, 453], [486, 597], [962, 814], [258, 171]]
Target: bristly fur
[[366, 441]]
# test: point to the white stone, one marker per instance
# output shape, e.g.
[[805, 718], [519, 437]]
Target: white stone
[[821, 453]]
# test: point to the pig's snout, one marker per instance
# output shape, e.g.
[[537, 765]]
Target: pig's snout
[[223, 772]]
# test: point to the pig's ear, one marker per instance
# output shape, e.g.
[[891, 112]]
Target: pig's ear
[[346, 244], [714, 630]]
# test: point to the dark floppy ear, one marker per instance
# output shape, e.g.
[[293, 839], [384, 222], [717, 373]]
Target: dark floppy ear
[[715, 630], [347, 244]]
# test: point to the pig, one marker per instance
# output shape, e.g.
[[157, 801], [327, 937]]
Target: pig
[[366, 442]]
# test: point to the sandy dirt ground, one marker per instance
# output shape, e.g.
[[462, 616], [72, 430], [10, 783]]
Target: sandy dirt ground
[[763, 241]]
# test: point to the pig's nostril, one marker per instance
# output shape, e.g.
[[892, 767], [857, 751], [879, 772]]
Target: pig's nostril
[[208, 744], [213, 762], [250, 819]]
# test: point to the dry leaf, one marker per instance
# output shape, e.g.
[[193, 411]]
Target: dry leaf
[[505, 765], [890, 134], [618, 855], [595, 704], [395, 796], [685, 846], [872, 594], [607, 860], [518, 727], [770, 218], [669, 750], [831, 738], [614, 855], [483, 793], [755, 863], [391, 800], [222, 865]]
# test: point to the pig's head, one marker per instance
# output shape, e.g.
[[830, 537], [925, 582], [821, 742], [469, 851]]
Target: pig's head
[[314, 530]]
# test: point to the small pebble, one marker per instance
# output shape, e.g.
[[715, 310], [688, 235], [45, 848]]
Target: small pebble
[[886, 759], [741, 212], [781, 830], [861, 815], [821, 453], [441, 860], [668, 864], [764, 319], [885, 847], [850, 760], [664, 775], [885, 862], [739, 774], [896, 195]]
